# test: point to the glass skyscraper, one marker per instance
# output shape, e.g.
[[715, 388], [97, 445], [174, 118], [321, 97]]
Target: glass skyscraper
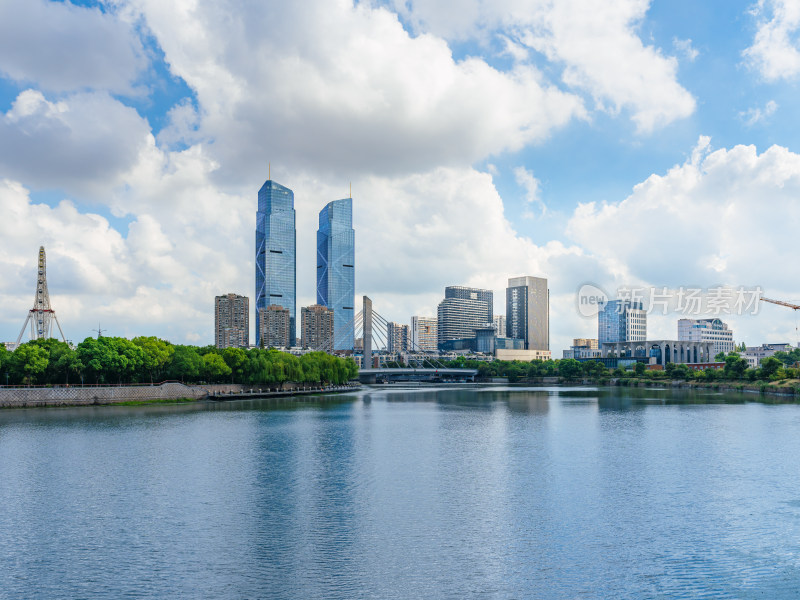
[[336, 268], [276, 253]]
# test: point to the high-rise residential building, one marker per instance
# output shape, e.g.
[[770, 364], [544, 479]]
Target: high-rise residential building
[[317, 327], [231, 321], [424, 336], [458, 318], [528, 311], [499, 323], [274, 322], [469, 293], [276, 253], [622, 321], [707, 330], [336, 268], [397, 337]]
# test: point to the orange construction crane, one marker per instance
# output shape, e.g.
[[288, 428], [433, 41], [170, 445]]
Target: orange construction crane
[[782, 303]]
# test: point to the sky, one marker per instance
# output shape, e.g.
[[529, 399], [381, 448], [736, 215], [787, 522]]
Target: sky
[[631, 146]]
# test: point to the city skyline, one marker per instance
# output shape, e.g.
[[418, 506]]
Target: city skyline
[[566, 162]]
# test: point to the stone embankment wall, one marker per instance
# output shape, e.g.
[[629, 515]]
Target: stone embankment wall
[[78, 396]]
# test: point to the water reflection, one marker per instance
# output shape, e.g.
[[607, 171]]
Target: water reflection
[[389, 493]]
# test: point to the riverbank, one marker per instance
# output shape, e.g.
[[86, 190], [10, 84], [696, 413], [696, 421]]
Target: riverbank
[[786, 388], [170, 392]]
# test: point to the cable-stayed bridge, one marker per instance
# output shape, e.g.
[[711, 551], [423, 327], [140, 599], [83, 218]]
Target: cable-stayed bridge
[[373, 330]]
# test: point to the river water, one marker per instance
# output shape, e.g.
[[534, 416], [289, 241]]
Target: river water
[[406, 493]]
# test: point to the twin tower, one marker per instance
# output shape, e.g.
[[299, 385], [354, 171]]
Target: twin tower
[[276, 261]]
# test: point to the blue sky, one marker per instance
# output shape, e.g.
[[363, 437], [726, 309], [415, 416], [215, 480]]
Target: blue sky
[[477, 135]]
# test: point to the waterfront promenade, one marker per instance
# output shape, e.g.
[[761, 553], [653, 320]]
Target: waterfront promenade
[[22, 397]]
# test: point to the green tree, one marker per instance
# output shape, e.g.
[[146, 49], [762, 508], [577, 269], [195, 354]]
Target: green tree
[[639, 368], [770, 367], [69, 364], [720, 357], [5, 359], [30, 361], [735, 366], [214, 367], [156, 353], [681, 371], [569, 368], [185, 364], [236, 359]]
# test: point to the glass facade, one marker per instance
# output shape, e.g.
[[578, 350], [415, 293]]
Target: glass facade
[[622, 321], [276, 253], [336, 268]]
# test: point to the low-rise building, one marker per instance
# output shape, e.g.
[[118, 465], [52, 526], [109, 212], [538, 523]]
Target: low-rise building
[[578, 352], [590, 343], [507, 343], [755, 354], [523, 355], [707, 330], [660, 352]]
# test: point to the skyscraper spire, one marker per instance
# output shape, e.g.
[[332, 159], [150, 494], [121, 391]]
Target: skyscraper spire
[[41, 316]]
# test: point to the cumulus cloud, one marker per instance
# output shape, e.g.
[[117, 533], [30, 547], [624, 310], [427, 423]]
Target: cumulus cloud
[[186, 243], [596, 42], [775, 52], [82, 143], [727, 216], [63, 47], [345, 87]]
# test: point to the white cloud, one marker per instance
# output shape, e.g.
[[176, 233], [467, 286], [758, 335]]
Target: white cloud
[[756, 115], [530, 184], [82, 143], [685, 47], [63, 47], [186, 243], [775, 52], [728, 216], [596, 42], [340, 87]]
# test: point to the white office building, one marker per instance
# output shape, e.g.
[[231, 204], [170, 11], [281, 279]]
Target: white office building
[[707, 330]]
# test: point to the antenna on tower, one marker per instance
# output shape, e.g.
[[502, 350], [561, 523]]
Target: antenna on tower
[[99, 331], [41, 316], [351, 190], [269, 170]]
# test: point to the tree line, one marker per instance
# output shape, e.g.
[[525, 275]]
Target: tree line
[[774, 368], [119, 360]]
